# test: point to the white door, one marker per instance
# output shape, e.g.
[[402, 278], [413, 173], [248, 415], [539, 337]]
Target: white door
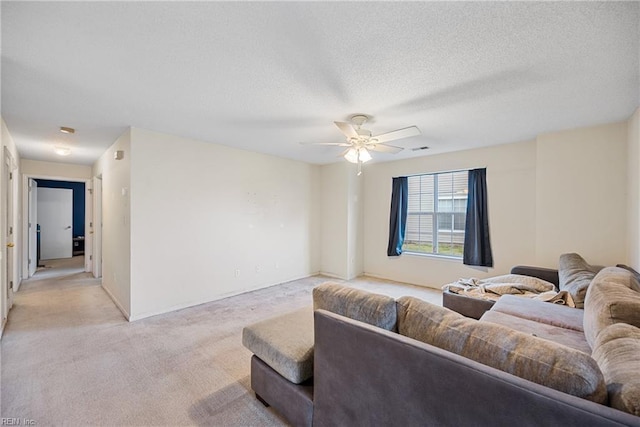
[[33, 225], [97, 227], [55, 216]]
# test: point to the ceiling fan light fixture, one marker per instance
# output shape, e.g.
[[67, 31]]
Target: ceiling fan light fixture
[[351, 155], [357, 155], [364, 155]]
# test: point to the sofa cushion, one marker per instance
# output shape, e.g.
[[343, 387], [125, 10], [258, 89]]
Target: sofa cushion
[[617, 351], [374, 309], [285, 343], [540, 311], [635, 285], [610, 300], [534, 359], [568, 337], [575, 276]]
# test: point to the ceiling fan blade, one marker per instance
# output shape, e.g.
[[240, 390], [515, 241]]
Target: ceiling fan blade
[[398, 134], [347, 129], [338, 144], [384, 148]]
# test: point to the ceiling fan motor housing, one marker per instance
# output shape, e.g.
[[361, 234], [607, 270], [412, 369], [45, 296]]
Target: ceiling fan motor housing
[[359, 119]]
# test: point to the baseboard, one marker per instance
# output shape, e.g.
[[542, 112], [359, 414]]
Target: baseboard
[[141, 316], [377, 276], [117, 303], [332, 276]]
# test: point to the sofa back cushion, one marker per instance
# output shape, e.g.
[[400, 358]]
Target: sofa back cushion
[[374, 309], [534, 359], [610, 299], [575, 275], [617, 351], [636, 284]]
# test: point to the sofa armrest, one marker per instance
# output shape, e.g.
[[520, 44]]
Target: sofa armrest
[[548, 274], [366, 376]]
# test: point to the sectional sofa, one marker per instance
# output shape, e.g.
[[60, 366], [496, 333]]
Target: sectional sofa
[[367, 359]]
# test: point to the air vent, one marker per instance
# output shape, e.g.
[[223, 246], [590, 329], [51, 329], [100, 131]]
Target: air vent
[[420, 148]]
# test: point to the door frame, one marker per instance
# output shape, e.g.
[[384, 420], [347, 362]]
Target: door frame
[[88, 217], [32, 254], [9, 267], [96, 236]]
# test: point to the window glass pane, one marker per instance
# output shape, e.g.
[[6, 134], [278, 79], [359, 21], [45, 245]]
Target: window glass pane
[[459, 221], [444, 221], [445, 205]]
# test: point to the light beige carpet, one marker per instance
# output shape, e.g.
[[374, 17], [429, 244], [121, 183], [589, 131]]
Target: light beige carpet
[[69, 357]]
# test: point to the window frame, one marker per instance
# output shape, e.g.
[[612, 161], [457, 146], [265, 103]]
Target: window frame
[[435, 220]]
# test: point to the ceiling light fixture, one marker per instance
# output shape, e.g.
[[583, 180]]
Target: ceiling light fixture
[[62, 151], [65, 129], [351, 155], [357, 155]]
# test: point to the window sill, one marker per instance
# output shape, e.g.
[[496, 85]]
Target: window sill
[[442, 257]]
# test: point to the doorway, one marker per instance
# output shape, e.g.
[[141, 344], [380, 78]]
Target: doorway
[[59, 232]]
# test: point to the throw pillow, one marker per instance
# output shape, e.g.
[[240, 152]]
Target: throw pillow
[[616, 351], [575, 275], [532, 358], [374, 309], [610, 299]]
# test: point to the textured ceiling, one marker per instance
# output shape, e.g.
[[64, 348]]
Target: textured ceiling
[[266, 76]]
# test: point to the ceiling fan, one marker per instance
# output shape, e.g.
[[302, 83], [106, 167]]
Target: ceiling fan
[[360, 141]]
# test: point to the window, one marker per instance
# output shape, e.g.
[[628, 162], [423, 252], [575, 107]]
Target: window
[[436, 202]]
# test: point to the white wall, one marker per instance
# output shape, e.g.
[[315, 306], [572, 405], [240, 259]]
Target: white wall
[[633, 190], [116, 222], [55, 170], [342, 221], [563, 192], [511, 195], [581, 193], [200, 212], [355, 223], [6, 142], [334, 220]]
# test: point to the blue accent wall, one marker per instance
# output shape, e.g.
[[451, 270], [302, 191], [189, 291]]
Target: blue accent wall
[[78, 201]]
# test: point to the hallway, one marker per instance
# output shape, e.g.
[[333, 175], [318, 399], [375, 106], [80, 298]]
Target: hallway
[[59, 317]]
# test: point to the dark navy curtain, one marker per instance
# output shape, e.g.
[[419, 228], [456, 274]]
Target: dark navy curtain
[[477, 245], [398, 217]]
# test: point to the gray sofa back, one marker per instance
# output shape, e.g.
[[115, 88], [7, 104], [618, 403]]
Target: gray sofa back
[[366, 376]]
